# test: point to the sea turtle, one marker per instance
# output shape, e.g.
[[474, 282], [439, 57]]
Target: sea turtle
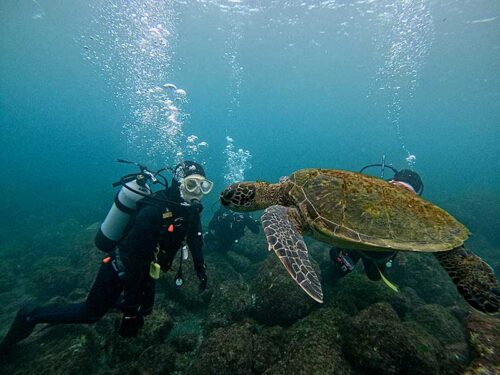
[[356, 211]]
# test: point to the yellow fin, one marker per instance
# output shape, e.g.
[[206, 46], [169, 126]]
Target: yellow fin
[[387, 282]]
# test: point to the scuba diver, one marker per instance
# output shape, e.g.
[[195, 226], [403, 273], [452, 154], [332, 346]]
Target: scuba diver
[[375, 263], [227, 227], [141, 231]]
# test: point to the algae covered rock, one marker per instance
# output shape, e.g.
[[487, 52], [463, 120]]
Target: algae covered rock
[[484, 338], [313, 346], [377, 342], [65, 349], [189, 294], [438, 322], [119, 349], [185, 335], [7, 277], [356, 292], [239, 262], [267, 348], [53, 276], [278, 299], [230, 303], [422, 273], [227, 350]]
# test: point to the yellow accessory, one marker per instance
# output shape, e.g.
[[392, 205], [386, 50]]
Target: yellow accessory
[[387, 282], [154, 267]]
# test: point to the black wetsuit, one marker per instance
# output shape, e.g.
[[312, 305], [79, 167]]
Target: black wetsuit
[[227, 227], [373, 262], [126, 271]]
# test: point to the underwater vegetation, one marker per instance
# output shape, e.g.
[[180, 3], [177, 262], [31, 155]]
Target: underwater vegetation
[[252, 319]]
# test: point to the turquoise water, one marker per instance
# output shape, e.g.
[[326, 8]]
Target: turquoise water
[[254, 90], [309, 84]]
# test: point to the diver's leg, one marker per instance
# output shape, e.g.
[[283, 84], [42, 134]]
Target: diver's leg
[[103, 295], [148, 297], [371, 269]]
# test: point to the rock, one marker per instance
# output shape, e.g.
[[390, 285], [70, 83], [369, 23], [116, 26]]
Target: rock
[[267, 348], [424, 274], [231, 302], [7, 277], [64, 349], [484, 338], [377, 342], [356, 292], [227, 350], [404, 301], [253, 247], [53, 276], [185, 343], [438, 322], [185, 335], [239, 262], [278, 299], [127, 350], [313, 346]]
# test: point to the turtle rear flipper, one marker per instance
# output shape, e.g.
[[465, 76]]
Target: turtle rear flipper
[[284, 236], [473, 277]]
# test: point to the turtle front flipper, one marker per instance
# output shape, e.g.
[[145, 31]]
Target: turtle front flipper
[[473, 277], [284, 236]]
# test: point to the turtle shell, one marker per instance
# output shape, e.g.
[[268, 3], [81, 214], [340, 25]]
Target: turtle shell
[[356, 211]]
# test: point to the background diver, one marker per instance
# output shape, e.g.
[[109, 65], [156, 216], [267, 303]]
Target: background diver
[[159, 227], [375, 263], [227, 227]]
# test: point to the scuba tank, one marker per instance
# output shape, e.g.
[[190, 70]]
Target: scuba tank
[[134, 188], [113, 226]]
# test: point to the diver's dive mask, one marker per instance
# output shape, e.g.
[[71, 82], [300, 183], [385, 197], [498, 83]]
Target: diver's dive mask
[[195, 184]]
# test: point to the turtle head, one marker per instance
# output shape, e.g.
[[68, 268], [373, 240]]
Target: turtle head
[[248, 196]]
